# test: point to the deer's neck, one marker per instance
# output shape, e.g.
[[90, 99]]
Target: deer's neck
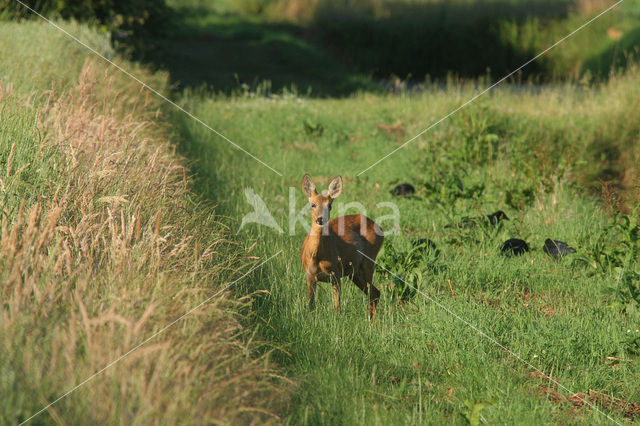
[[316, 239]]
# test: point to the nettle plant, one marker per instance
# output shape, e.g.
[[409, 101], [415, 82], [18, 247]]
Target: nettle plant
[[626, 293], [405, 265], [631, 343], [617, 250], [618, 245], [478, 140], [446, 188]]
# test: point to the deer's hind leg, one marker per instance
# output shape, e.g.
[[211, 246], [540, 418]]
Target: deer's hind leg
[[335, 282], [363, 278]]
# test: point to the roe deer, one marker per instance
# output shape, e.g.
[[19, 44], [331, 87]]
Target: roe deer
[[331, 250]]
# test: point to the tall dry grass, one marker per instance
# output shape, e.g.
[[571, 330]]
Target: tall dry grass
[[101, 245]]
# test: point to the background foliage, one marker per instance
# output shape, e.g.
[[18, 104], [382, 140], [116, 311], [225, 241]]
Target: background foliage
[[132, 24]]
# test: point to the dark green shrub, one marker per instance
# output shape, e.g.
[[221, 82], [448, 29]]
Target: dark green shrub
[[405, 265], [131, 23], [418, 39]]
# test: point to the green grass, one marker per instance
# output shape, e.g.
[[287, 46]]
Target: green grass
[[102, 245], [530, 153], [53, 62], [540, 154]]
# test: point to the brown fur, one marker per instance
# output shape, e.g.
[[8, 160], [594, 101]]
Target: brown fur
[[331, 252]]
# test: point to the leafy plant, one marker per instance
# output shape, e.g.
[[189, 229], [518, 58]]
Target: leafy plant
[[618, 245], [451, 186], [632, 342], [478, 141], [403, 266], [473, 412], [312, 128], [626, 294], [617, 250], [629, 228], [519, 198]]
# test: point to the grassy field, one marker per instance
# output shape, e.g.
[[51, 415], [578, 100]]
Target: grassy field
[[102, 245], [106, 238], [531, 153]]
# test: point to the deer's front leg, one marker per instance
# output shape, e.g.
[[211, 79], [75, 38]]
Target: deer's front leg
[[311, 290]]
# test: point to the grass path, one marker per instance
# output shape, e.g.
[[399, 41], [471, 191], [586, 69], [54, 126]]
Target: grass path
[[418, 364]]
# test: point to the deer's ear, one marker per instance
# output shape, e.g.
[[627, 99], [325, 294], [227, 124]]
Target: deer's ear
[[308, 187], [335, 187]]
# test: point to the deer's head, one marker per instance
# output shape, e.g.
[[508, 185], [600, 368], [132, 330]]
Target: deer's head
[[321, 203]]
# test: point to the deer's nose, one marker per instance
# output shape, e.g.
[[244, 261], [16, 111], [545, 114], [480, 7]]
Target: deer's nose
[[319, 221]]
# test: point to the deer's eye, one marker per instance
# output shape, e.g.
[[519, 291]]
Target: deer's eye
[[313, 205]]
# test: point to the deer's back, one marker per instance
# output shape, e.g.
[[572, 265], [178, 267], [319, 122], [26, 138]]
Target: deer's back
[[356, 232]]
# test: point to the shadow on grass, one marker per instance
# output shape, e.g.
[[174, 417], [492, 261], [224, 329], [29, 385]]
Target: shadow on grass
[[345, 50], [234, 53], [415, 40]]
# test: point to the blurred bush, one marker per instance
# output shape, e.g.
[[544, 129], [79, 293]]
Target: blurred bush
[[131, 24], [253, 6], [421, 40], [415, 39]]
